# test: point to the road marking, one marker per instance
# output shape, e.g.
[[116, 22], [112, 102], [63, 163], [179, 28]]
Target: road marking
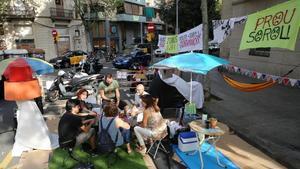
[[127, 94], [105, 67], [4, 163]]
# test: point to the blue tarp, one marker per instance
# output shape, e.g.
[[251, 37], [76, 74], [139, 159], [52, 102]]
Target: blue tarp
[[192, 160]]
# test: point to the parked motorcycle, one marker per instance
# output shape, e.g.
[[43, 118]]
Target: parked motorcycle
[[66, 84], [91, 65]]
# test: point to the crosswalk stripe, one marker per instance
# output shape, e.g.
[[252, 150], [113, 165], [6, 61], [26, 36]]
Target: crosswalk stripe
[[4, 163]]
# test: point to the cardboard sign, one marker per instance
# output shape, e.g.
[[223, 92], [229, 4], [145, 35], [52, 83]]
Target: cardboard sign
[[277, 26]]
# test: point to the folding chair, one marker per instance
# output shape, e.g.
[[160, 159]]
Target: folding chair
[[158, 140]]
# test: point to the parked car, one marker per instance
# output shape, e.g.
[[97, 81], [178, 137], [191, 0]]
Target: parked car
[[68, 59], [134, 59], [159, 53]]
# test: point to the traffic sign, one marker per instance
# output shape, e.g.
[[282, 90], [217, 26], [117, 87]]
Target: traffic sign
[[151, 27], [54, 33]]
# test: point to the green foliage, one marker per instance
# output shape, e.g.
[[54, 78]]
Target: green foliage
[[4, 7], [189, 13]]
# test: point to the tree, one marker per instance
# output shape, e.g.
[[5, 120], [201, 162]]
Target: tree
[[89, 9], [189, 13], [5, 7]]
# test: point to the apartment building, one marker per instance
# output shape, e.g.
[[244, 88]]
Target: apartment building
[[274, 61], [128, 26], [30, 25]]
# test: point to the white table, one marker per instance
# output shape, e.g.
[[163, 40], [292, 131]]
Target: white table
[[214, 136]]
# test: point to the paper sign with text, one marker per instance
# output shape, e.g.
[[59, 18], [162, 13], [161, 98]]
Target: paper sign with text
[[277, 26]]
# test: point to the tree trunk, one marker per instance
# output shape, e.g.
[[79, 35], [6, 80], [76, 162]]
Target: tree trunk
[[89, 38], [205, 44]]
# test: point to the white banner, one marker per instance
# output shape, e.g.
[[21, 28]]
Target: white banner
[[190, 40], [223, 28]]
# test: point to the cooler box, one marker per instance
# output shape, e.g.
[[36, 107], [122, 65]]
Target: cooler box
[[187, 141]]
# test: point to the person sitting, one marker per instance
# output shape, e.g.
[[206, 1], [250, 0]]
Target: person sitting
[[140, 91], [85, 108], [139, 78], [109, 92], [137, 108], [118, 126], [72, 129], [152, 122]]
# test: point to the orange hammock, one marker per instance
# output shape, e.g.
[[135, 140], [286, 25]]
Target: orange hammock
[[246, 87]]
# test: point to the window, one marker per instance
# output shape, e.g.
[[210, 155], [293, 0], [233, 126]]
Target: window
[[1, 30], [25, 43], [24, 29], [133, 9], [128, 8], [58, 2], [264, 52]]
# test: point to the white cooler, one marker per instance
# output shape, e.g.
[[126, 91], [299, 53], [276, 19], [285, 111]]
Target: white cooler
[[187, 141]]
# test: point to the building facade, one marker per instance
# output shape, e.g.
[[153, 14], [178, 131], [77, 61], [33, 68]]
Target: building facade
[[274, 61], [128, 26], [30, 26]]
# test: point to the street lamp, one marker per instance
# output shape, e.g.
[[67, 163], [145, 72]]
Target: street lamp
[[177, 29]]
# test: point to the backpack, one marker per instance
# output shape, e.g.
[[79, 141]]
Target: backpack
[[105, 142]]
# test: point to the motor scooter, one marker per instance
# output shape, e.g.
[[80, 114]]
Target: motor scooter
[[66, 84]]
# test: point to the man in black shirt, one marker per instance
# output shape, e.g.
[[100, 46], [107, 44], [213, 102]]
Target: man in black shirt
[[72, 129], [168, 96]]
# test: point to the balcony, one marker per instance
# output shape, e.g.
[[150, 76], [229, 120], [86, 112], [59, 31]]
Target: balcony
[[20, 14], [139, 2], [95, 16], [61, 14], [130, 18]]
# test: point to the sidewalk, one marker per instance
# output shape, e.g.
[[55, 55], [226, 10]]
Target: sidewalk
[[240, 152], [268, 119]]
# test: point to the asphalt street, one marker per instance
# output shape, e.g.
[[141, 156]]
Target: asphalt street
[[268, 119]]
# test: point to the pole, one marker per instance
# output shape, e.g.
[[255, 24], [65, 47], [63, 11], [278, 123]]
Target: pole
[[205, 25], [205, 42], [141, 25], [177, 29], [191, 87], [56, 50]]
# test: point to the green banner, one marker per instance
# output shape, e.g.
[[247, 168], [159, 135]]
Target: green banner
[[277, 26], [171, 44]]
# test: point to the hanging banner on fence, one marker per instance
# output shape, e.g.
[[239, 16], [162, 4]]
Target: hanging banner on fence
[[277, 26], [190, 40], [161, 42], [171, 44]]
